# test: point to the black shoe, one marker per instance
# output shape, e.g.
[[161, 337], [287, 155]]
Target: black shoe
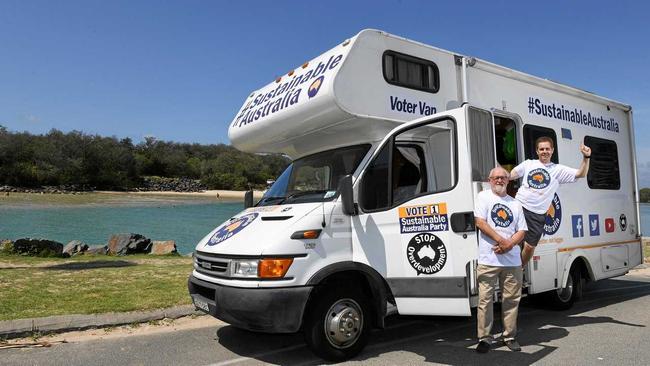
[[513, 345], [483, 346]]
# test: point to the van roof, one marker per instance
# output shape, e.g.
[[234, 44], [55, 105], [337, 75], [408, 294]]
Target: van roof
[[340, 97]]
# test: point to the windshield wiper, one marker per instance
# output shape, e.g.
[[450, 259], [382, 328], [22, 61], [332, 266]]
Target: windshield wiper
[[270, 198], [306, 193]]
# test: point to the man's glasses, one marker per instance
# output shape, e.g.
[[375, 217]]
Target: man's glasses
[[500, 177]]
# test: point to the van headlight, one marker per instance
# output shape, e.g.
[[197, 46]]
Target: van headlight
[[260, 268], [244, 267]]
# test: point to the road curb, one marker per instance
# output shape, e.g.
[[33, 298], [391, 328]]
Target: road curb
[[65, 323]]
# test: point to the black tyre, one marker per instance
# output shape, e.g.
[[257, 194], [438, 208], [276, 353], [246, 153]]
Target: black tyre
[[563, 298], [337, 323]]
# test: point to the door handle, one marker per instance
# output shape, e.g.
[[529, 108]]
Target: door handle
[[463, 222]]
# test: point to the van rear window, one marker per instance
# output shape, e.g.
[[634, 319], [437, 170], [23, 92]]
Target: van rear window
[[604, 172], [410, 72]]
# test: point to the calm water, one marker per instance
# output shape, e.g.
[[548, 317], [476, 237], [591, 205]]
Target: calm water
[[645, 219], [94, 218]]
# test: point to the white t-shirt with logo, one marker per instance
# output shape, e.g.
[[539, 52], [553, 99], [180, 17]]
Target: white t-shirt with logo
[[506, 217], [540, 182]]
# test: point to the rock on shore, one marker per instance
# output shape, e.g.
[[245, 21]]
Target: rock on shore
[[159, 184], [74, 247], [66, 188], [119, 244], [38, 247], [163, 247], [123, 244]]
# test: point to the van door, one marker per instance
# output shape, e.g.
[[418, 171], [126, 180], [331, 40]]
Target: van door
[[415, 225], [542, 270]]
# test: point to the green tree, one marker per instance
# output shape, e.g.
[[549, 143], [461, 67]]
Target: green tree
[[644, 195]]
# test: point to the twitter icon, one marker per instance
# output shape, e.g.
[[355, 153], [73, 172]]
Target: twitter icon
[[594, 225]]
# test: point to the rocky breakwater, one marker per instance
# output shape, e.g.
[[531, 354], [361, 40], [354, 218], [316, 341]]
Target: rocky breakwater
[[156, 184], [118, 245], [66, 188]]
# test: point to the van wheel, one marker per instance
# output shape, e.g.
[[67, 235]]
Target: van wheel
[[337, 325], [563, 298]]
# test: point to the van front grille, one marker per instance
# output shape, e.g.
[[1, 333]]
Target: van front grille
[[211, 266]]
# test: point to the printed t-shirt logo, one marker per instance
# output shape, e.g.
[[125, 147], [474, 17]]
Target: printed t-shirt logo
[[426, 253], [231, 228], [553, 216], [501, 215], [315, 86], [538, 178]]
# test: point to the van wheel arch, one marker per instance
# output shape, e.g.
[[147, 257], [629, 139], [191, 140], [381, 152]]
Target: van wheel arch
[[564, 297], [351, 274], [581, 264]]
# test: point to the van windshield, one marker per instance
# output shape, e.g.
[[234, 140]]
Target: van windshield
[[314, 178]]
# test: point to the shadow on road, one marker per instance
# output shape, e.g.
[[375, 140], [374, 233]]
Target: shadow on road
[[451, 340]]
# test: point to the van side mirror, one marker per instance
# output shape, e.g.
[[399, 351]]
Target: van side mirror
[[248, 199], [347, 196]]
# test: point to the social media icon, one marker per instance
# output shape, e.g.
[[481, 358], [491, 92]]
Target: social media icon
[[623, 222], [594, 225], [609, 225], [578, 226]]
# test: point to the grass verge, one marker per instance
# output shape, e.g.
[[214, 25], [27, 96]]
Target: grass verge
[[37, 287]]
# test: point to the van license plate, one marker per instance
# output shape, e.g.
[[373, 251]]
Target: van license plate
[[201, 304]]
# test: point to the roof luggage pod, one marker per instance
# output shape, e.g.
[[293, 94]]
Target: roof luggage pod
[[291, 106]]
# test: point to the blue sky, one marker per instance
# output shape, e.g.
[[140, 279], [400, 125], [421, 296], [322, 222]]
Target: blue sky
[[180, 70]]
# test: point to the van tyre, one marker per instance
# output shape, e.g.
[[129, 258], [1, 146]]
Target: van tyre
[[338, 323], [564, 298]]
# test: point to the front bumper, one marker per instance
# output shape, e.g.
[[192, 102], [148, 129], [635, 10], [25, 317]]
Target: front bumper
[[272, 310]]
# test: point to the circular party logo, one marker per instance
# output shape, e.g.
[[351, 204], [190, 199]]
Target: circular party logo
[[501, 215], [553, 216], [315, 86], [231, 228], [426, 253], [538, 178]]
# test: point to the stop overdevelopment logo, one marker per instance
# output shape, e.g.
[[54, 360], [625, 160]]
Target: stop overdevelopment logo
[[426, 253]]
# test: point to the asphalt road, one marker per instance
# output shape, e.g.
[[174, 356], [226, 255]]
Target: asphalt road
[[611, 325]]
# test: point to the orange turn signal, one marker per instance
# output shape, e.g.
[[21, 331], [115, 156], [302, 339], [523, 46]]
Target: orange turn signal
[[306, 234], [274, 267]]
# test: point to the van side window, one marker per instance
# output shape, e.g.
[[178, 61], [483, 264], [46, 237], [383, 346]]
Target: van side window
[[603, 167], [505, 132], [409, 172], [410, 72], [531, 134], [481, 143], [417, 161]]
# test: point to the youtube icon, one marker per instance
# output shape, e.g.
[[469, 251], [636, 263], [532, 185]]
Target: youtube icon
[[609, 225]]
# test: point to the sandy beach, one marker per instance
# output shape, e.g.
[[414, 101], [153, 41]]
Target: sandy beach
[[230, 195]]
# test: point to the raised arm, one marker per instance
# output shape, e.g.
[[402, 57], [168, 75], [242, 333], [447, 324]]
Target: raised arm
[[584, 166], [517, 172]]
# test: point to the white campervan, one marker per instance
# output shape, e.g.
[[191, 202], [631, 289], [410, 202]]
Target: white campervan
[[392, 140]]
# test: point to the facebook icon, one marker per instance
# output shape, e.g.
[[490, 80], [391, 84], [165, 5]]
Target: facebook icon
[[578, 226]]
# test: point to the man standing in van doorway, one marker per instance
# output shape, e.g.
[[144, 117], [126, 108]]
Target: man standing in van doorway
[[502, 226], [541, 180]]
